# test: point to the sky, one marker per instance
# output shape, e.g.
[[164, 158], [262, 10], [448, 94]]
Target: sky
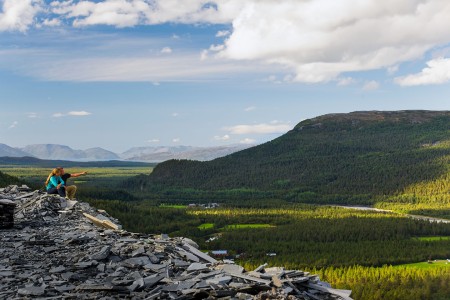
[[118, 74]]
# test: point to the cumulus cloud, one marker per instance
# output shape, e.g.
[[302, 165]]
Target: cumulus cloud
[[81, 113], [18, 14], [247, 141], [263, 128], [226, 137], [13, 125], [176, 140], [321, 39], [126, 13], [437, 72], [175, 114], [250, 108], [371, 85], [51, 22], [316, 40]]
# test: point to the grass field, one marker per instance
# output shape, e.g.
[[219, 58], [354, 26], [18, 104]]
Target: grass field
[[245, 226], [179, 206], [425, 265], [205, 226], [433, 238], [96, 176]]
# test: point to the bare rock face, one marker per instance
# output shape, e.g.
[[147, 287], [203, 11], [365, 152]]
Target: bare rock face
[[59, 250]]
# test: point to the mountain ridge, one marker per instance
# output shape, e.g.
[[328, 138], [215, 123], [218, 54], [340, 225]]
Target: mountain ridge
[[332, 158], [149, 154]]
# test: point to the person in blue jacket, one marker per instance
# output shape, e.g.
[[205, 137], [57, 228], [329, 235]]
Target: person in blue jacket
[[54, 183]]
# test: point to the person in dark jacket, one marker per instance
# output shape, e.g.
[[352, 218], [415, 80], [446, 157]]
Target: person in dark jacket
[[70, 189]]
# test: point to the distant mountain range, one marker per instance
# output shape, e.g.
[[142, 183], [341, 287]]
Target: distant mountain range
[[143, 154]]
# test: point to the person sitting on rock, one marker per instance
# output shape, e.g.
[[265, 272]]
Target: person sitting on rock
[[54, 183], [70, 189]]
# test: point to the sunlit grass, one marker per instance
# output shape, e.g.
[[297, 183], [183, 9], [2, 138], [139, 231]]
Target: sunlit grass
[[95, 175], [427, 265], [244, 226], [205, 226], [433, 238], [178, 206]]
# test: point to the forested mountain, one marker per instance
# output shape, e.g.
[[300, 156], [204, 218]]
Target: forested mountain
[[338, 158]]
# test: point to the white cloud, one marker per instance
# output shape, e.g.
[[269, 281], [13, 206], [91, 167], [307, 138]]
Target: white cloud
[[153, 141], [222, 33], [72, 113], [79, 113], [247, 141], [166, 50], [250, 108], [437, 72], [13, 125], [126, 13], [226, 137], [175, 114], [316, 40], [176, 140], [321, 39], [18, 14], [259, 128], [371, 85], [51, 22]]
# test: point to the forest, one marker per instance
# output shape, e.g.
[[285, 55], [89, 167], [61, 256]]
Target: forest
[[359, 158]]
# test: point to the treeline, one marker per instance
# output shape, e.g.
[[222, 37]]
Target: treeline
[[6, 179], [354, 161]]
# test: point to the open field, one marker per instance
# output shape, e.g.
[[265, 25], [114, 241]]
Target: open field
[[180, 206], [433, 238], [438, 263], [247, 226], [96, 177], [206, 226]]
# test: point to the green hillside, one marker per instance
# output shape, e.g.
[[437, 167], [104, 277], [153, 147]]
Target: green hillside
[[6, 179], [360, 157]]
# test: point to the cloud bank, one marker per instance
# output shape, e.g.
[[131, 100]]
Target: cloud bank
[[316, 40]]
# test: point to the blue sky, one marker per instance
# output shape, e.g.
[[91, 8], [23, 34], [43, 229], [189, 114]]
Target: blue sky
[[118, 74]]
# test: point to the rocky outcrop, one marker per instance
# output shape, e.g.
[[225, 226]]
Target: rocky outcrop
[[60, 249]]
